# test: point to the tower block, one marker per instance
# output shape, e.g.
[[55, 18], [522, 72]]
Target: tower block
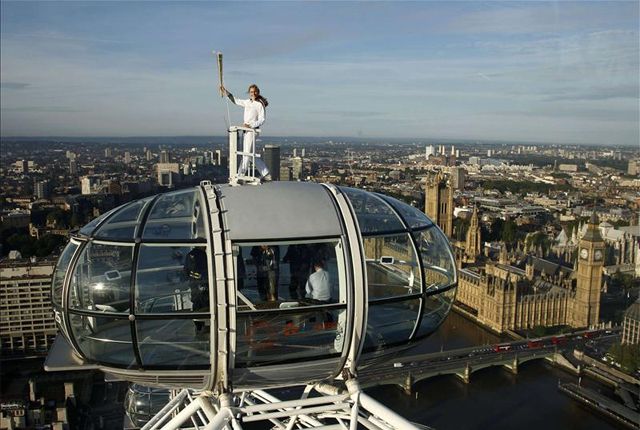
[[439, 202], [473, 242], [589, 276]]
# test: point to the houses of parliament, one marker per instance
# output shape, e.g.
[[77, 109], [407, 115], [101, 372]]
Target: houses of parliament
[[513, 290]]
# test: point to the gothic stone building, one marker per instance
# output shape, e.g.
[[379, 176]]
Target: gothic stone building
[[505, 297], [438, 202]]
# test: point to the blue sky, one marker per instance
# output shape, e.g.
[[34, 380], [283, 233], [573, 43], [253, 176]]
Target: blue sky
[[565, 72]]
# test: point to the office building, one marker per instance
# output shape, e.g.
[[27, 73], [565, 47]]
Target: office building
[[42, 189], [26, 319], [272, 160], [168, 174], [89, 184], [297, 168], [165, 157], [285, 173]]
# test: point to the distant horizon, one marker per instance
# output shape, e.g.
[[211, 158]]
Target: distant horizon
[[265, 139], [547, 71]]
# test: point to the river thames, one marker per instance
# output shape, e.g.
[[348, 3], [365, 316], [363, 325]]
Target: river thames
[[495, 399]]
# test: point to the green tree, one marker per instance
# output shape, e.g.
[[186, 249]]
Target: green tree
[[460, 228], [509, 232], [495, 231], [538, 239], [48, 244]]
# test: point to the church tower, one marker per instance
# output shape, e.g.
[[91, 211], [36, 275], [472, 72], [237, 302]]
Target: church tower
[[586, 310], [473, 242], [438, 204]]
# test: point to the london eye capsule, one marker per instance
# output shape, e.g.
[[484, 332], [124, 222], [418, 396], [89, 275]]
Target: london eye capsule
[[222, 286]]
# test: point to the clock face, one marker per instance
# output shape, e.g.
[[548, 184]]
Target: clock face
[[584, 253], [597, 255]]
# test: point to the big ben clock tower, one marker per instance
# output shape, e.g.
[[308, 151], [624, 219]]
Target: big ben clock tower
[[586, 310]]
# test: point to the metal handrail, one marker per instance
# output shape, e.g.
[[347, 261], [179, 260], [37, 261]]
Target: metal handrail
[[234, 176]]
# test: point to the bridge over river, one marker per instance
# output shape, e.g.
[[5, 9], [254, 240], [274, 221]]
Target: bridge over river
[[405, 371]]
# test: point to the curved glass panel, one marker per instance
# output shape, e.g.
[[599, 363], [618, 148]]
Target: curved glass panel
[[101, 278], [177, 215], [437, 259], [390, 323], [88, 229], [436, 308], [104, 339], [61, 270], [178, 343], [142, 403], [374, 215], [269, 338], [124, 225], [392, 266], [290, 274], [414, 217], [172, 279]]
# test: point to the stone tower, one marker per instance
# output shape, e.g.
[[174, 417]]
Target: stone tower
[[438, 204], [473, 242], [503, 257], [586, 310]]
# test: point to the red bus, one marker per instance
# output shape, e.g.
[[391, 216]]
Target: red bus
[[558, 340], [534, 343], [504, 347], [589, 334]]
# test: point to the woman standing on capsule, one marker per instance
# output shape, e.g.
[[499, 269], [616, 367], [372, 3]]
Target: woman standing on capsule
[[254, 115]]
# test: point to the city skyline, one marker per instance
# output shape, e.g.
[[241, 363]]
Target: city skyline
[[550, 72]]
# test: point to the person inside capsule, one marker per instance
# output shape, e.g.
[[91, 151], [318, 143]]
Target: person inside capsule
[[266, 261], [318, 287], [195, 268]]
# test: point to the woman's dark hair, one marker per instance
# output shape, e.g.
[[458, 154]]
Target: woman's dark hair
[[261, 99]]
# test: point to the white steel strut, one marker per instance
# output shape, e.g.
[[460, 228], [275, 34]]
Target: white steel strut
[[320, 406]]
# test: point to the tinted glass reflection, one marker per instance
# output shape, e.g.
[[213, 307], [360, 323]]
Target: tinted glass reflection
[[181, 343], [104, 339], [437, 259], [271, 338], [172, 279], [124, 225], [436, 308], [392, 266], [101, 278], [88, 229], [142, 403], [414, 217], [177, 215], [61, 270], [374, 215], [390, 323]]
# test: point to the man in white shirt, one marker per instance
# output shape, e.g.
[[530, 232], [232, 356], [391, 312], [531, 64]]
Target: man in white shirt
[[318, 287]]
